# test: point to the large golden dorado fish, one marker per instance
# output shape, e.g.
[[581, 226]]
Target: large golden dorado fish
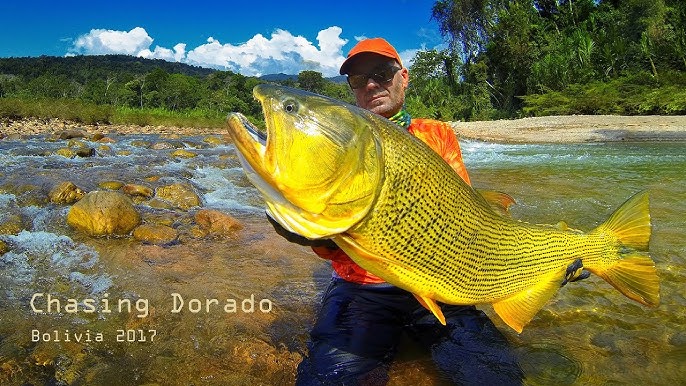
[[331, 170]]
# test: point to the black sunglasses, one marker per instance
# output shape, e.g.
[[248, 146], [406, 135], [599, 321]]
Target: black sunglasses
[[380, 75]]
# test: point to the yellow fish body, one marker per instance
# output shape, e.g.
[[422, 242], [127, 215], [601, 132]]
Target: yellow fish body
[[330, 170]]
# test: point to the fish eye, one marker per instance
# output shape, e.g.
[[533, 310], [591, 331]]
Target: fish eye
[[290, 106]]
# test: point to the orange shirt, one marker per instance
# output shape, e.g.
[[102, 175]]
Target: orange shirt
[[441, 139]]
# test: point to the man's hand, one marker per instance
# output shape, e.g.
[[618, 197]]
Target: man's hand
[[575, 272]]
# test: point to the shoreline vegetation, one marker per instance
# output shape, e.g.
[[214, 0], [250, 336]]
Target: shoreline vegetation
[[549, 129]]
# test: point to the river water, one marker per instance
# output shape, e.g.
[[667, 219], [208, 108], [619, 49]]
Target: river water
[[237, 309]]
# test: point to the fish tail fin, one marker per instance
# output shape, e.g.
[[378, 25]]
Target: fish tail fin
[[636, 277], [634, 273], [630, 223]]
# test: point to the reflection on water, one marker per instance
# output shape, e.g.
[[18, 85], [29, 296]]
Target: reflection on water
[[237, 310]]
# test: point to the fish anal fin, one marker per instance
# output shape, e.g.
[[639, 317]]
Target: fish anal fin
[[432, 306], [498, 201], [518, 310]]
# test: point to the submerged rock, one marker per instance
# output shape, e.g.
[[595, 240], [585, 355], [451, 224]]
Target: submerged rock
[[3, 247], [103, 213], [137, 190], [157, 234], [74, 133], [76, 144], [66, 152], [97, 137], [183, 196], [11, 224], [182, 153], [111, 185], [161, 146], [85, 152], [214, 222], [213, 141], [66, 193]]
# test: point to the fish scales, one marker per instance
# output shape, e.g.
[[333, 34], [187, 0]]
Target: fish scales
[[486, 255]]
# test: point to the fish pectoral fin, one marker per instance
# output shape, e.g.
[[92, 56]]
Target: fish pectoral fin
[[432, 306], [355, 251], [518, 310], [498, 201]]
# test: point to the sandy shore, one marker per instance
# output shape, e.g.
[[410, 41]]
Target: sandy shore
[[553, 129], [576, 129]]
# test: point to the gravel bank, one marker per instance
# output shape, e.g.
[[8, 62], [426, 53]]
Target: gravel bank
[[576, 129]]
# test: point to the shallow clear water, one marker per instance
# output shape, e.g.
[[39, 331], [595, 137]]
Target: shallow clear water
[[588, 334]]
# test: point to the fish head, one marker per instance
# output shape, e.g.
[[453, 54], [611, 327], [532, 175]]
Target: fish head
[[318, 165]]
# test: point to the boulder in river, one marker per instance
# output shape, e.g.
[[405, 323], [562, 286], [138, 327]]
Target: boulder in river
[[102, 213], [111, 185], [137, 190], [66, 193], [217, 223], [183, 153], [73, 133], [183, 196], [66, 152], [157, 234]]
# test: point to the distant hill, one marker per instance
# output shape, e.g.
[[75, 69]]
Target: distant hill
[[280, 77], [74, 66], [83, 67]]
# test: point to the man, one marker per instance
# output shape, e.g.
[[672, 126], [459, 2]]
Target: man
[[362, 318]]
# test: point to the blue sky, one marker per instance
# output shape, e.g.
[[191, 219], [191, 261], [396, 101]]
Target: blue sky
[[249, 37]]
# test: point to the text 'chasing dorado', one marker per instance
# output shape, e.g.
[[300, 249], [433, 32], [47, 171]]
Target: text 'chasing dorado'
[[46, 303]]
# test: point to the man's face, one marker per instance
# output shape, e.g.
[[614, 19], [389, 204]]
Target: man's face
[[383, 98]]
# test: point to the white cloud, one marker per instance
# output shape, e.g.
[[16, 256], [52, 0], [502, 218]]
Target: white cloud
[[102, 41], [178, 54], [280, 52], [407, 57]]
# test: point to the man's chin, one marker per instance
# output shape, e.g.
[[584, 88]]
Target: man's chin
[[381, 109]]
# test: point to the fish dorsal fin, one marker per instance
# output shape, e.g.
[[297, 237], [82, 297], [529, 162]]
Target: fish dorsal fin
[[518, 310], [498, 201], [432, 306]]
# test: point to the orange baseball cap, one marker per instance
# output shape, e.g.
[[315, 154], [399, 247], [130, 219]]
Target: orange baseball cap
[[374, 45]]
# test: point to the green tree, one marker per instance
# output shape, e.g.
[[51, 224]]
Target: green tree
[[312, 81], [9, 85], [468, 23], [180, 92], [133, 92], [155, 84]]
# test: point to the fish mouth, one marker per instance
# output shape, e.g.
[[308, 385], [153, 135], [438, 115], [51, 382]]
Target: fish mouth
[[251, 145], [257, 135]]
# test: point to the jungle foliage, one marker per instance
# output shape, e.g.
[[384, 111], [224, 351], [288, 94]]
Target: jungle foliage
[[510, 58]]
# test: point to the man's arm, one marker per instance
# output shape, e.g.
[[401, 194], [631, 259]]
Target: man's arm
[[300, 240]]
